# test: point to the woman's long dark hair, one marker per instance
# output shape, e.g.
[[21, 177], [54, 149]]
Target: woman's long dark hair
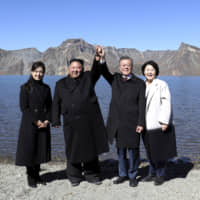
[[35, 65]]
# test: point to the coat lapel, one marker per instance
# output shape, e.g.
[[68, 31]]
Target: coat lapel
[[150, 93]]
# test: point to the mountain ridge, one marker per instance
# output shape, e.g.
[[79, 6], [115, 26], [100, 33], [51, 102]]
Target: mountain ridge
[[183, 61]]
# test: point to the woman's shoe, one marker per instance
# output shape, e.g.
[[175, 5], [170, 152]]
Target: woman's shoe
[[31, 181], [75, 183], [40, 181]]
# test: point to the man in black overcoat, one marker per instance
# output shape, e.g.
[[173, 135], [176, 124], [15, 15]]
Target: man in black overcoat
[[84, 130], [126, 117]]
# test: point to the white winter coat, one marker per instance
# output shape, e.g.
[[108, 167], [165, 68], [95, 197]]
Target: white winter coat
[[158, 104]]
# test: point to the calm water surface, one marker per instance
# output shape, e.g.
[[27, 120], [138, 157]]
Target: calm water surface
[[186, 108]]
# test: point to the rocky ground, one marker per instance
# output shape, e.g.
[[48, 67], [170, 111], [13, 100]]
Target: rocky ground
[[183, 182]]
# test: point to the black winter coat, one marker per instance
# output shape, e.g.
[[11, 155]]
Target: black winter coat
[[84, 130], [127, 109], [33, 143]]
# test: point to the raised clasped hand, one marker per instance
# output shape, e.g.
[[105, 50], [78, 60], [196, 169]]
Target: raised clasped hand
[[99, 52]]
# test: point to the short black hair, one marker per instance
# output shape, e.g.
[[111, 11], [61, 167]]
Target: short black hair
[[77, 60], [126, 58], [153, 64]]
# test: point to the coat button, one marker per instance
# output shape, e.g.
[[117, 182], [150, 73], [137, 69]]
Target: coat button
[[35, 110], [73, 105]]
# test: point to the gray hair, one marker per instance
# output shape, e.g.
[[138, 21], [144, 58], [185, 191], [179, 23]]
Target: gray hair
[[126, 58]]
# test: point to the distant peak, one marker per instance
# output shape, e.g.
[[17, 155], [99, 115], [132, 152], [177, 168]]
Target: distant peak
[[73, 42], [188, 47]]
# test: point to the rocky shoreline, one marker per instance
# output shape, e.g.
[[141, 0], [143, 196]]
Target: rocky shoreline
[[182, 182]]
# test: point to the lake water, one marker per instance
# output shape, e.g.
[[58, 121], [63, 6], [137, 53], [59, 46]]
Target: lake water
[[186, 108]]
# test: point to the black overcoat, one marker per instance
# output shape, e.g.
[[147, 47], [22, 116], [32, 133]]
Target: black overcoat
[[127, 109], [160, 146], [33, 143], [84, 130]]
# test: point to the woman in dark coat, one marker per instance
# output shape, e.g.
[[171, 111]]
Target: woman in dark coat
[[159, 137], [34, 136]]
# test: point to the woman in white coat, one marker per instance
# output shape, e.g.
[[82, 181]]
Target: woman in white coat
[[159, 136]]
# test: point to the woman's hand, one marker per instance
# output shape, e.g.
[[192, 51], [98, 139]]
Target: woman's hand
[[46, 122], [43, 124], [39, 123], [164, 127]]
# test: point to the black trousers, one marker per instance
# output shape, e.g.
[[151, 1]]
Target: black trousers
[[84, 170], [33, 171]]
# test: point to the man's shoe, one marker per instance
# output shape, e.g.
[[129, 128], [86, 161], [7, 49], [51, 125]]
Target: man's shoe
[[95, 180], [148, 178], [121, 179], [159, 180], [133, 182]]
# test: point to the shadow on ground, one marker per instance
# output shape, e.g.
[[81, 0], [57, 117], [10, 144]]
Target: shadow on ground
[[109, 169], [52, 176], [178, 168]]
